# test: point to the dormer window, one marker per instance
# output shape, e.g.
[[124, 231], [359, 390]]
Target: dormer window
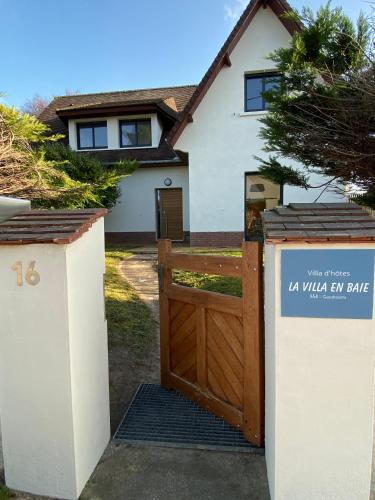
[[255, 85], [135, 133], [92, 135]]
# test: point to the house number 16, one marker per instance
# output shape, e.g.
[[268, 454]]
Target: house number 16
[[32, 277]]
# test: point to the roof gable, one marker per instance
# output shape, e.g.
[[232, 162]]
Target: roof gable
[[279, 7]]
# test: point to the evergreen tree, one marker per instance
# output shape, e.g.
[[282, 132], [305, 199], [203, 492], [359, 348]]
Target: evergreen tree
[[35, 166], [322, 115]]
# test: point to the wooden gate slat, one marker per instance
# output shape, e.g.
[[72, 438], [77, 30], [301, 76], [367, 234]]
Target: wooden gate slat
[[202, 347], [187, 312], [230, 393], [225, 329], [226, 371], [183, 349], [165, 279], [191, 374], [253, 343], [185, 330], [216, 335], [236, 327], [175, 308], [212, 300], [214, 384], [188, 362]]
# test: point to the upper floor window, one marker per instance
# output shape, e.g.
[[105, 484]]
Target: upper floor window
[[255, 85], [92, 135], [135, 133]]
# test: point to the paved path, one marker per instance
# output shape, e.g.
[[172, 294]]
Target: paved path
[[152, 473], [140, 271]]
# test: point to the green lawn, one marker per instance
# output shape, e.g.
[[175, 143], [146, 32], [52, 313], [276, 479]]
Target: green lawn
[[5, 493], [129, 319], [220, 284]]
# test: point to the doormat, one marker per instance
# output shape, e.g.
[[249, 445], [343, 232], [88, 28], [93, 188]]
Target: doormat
[[161, 417]]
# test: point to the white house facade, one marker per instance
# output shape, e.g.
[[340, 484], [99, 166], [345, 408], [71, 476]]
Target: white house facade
[[197, 180]]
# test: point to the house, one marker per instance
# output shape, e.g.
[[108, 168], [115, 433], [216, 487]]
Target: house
[[198, 177]]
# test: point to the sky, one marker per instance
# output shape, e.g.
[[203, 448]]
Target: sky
[[50, 47]]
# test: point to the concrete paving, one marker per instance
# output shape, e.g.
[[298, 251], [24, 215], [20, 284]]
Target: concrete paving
[[151, 473]]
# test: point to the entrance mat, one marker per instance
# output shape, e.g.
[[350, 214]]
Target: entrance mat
[[161, 417]]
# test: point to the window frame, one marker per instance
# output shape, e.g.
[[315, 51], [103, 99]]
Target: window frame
[[91, 125], [136, 121], [253, 76]]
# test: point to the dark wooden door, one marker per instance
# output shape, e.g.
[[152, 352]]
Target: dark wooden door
[[211, 345], [170, 214]]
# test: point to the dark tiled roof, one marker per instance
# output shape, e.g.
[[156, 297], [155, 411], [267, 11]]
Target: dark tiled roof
[[168, 105], [48, 226], [318, 222], [180, 95]]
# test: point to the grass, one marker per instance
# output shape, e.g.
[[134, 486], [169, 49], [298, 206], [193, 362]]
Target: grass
[[129, 319], [210, 251], [211, 283], [5, 493]]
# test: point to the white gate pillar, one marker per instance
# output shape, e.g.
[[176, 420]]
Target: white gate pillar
[[54, 403], [320, 351]]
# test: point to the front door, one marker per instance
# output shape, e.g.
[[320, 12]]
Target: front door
[[169, 214]]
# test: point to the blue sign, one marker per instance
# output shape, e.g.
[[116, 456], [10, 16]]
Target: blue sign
[[327, 283]]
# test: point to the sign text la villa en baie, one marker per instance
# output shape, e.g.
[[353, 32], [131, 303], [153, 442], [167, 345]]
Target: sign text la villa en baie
[[327, 283]]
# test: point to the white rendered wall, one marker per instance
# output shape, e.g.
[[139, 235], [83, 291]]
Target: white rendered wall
[[53, 366], [319, 398], [113, 130], [35, 392], [222, 139], [136, 209], [88, 350]]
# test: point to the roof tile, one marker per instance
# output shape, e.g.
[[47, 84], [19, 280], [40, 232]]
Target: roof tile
[[48, 226], [344, 222]]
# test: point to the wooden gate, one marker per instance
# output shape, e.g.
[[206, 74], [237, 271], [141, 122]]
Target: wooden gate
[[212, 344]]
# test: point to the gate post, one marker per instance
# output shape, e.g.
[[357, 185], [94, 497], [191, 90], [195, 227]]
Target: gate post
[[320, 351], [252, 293], [165, 279], [54, 390]]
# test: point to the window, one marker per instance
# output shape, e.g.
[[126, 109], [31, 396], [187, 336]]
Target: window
[[255, 85], [135, 133], [92, 135]]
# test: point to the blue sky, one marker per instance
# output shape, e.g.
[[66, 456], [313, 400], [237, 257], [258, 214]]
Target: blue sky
[[51, 46]]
